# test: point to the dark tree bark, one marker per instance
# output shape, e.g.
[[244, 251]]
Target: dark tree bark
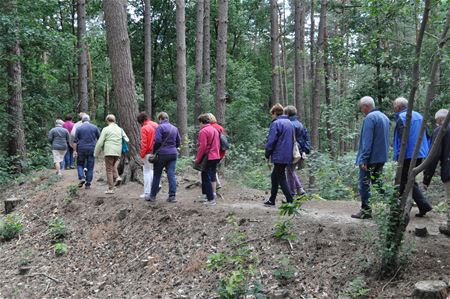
[[311, 58], [299, 55], [283, 67], [318, 75], [16, 144], [221, 61], [275, 50], [82, 57], [123, 82], [207, 43], [92, 103], [199, 60], [327, 91], [181, 75], [147, 58]]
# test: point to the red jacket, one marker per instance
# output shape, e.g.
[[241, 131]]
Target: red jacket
[[208, 143], [147, 137], [221, 130]]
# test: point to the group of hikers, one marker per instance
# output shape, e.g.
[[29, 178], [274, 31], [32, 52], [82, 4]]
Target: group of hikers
[[287, 145]]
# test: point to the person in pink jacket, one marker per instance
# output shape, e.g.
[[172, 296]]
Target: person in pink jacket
[[209, 146]]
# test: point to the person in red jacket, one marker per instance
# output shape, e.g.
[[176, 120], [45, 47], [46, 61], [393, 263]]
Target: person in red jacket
[[209, 146], [148, 128], [220, 129]]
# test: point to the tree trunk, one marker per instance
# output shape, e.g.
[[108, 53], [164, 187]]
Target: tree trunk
[[283, 66], [299, 56], [327, 92], [317, 76], [311, 58], [274, 36], [221, 63], [123, 82], [16, 144], [92, 104], [147, 58], [430, 289], [82, 57], [207, 43], [106, 103], [181, 76], [199, 60]]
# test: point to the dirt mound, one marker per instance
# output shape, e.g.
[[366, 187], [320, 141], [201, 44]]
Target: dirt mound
[[123, 247]]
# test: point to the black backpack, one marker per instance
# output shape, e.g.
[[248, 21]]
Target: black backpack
[[224, 143]]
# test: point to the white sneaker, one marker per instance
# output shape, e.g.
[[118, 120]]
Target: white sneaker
[[110, 191], [202, 198], [142, 195], [210, 202]]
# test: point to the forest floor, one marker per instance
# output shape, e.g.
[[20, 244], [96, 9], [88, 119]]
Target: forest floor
[[123, 247]]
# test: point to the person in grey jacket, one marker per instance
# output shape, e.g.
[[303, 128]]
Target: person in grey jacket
[[59, 139], [372, 154]]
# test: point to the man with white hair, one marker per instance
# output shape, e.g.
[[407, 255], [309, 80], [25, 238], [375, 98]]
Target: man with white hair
[[400, 108], [442, 156], [86, 137], [372, 153]]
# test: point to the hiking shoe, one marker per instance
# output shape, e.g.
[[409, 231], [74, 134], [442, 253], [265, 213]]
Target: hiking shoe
[[172, 199], [202, 198], [423, 212], [110, 191], [81, 183], [210, 202], [362, 215], [118, 181], [87, 187], [142, 195], [218, 187], [150, 199], [269, 203], [301, 191]]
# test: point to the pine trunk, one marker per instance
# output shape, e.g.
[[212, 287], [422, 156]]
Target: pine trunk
[[16, 144], [274, 39], [327, 92], [123, 82], [92, 103], [317, 77], [181, 75], [207, 43], [147, 58], [82, 57], [199, 60], [221, 67], [311, 58], [299, 55]]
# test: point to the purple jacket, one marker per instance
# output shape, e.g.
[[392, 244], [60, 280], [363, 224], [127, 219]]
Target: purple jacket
[[173, 141], [280, 142]]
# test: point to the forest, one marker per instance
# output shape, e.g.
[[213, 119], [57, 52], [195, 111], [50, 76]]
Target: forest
[[235, 59]]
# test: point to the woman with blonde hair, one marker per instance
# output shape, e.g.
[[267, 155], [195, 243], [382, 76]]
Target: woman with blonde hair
[[110, 142]]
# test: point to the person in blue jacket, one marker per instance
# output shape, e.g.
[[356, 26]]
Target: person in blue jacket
[[372, 154], [279, 147], [400, 108]]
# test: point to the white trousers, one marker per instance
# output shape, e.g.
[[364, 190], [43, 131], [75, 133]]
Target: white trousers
[[148, 176]]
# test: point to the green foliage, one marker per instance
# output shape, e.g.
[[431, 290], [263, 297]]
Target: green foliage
[[285, 270], [335, 178], [72, 193], [60, 249], [10, 226], [57, 229], [441, 207], [184, 163], [356, 288], [25, 257], [282, 231]]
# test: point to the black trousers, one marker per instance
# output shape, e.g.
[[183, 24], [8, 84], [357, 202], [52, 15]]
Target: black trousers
[[417, 195], [278, 178]]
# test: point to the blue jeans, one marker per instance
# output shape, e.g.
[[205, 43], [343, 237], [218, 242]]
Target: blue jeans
[[170, 163], [209, 176], [68, 158], [86, 160], [367, 177]]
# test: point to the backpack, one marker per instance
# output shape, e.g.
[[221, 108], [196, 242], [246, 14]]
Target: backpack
[[305, 142], [224, 143]]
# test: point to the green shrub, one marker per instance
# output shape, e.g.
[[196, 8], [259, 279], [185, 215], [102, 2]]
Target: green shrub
[[10, 226], [285, 271], [57, 229], [60, 248], [356, 288]]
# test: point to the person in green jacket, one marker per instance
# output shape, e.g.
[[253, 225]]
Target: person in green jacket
[[110, 142]]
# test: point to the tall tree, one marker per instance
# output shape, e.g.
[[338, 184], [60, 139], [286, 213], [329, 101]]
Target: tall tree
[[198, 60], [16, 140], [147, 58], [283, 66], [221, 61], [123, 80], [82, 57], [311, 58], [299, 72], [181, 74], [92, 104], [275, 50], [327, 90], [207, 43], [318, 72]]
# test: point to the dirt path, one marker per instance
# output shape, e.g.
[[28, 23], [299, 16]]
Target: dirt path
[[123, 247]]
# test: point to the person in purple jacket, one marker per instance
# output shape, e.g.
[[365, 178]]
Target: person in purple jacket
[[167, 140], [279, 147]]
